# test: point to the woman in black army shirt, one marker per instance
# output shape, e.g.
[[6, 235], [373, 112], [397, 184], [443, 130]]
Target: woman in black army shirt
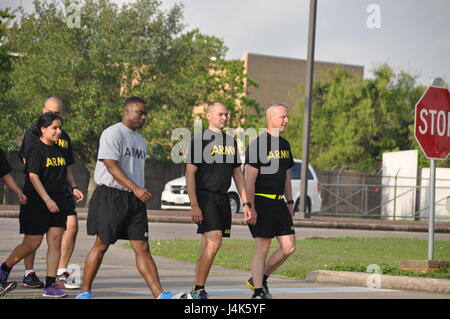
[[46, 167]]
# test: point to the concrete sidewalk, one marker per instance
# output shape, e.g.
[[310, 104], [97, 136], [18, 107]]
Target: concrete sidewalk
[[119, 279]]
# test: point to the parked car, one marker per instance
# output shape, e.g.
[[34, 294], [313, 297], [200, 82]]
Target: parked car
[[175, 194]]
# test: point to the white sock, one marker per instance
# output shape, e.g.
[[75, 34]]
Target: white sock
[[27, 272], [61, 271]]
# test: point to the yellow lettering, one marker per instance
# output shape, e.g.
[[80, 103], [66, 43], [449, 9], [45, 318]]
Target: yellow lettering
[[214, 150], [270, 155], [229, 150], [223, 150], [55, 161]]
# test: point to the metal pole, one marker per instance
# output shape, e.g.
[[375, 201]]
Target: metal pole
[[432, 188], [338, 194], [308, 105]]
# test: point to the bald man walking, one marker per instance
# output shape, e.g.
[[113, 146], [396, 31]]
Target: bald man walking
[[212, 162], [268, 180]]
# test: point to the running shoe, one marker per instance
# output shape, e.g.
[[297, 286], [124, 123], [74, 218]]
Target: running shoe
[[64, 281], [262, 295], [171, 295], [32, 281], [198, 294], [7, 287], [85, 295], [251, 286], [3, 277], [54, 292]]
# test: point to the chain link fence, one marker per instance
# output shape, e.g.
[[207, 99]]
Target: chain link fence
[[351, 194]]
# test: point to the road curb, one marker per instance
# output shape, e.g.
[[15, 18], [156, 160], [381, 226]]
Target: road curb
[[368, 226], [297, 223], [434, 285]]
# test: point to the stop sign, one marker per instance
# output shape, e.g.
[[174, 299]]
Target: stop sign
[[432, 123]]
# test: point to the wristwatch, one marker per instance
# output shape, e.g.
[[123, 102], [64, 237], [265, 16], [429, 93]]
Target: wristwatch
[[247, 204], [290, 202]]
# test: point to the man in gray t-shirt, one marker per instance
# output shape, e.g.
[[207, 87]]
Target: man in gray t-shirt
[[117, 209], [128, 148]]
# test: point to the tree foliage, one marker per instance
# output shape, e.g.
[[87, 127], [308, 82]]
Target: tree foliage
[[6, 118], [355, 120], [116, 52]]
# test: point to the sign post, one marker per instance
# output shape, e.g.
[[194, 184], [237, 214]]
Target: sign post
[[432, 207], [432, 132], [308, 106]]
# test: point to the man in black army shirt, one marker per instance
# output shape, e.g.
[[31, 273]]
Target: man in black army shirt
[[268, 179], [213, 159]]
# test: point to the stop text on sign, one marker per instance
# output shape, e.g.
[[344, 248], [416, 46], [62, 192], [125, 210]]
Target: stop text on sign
[[439, 122]]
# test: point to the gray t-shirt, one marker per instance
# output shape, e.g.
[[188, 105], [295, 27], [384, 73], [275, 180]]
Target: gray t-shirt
[[126, 146]]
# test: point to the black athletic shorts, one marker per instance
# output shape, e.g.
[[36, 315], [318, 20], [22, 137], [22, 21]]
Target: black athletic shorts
[[216, 212], [273, 218], [36, 219], [70, 209], [115, 214]]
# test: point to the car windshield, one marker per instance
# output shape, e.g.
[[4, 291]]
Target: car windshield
[[296, 171]]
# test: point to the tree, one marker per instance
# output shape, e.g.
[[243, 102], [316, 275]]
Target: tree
[[6, 123], [355, 120], [136, 49]]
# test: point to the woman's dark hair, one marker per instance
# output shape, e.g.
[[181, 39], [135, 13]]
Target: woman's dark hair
[[45, 120]]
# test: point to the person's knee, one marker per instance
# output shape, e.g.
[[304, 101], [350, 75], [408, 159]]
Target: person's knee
[[72, 226], [141, 247], [289, 249], [214, 246], [55, 238], [31, 246], [100, 247], [71, 231], [262, 247], [213, 241]]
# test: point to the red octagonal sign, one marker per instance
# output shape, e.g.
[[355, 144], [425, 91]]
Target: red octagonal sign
[[432, 123]]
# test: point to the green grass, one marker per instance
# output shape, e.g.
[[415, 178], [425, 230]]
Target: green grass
[[341, 253]]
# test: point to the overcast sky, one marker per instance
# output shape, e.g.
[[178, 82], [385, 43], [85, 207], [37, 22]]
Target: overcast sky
[[411, 35]]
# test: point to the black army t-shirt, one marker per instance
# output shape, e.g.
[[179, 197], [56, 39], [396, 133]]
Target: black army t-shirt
[[49, 162], [215, 155], [5, 168], [272, 156], [31, 139]]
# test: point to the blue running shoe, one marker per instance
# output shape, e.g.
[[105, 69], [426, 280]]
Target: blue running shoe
[[171, 295], [54, 292], [85, 295]]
